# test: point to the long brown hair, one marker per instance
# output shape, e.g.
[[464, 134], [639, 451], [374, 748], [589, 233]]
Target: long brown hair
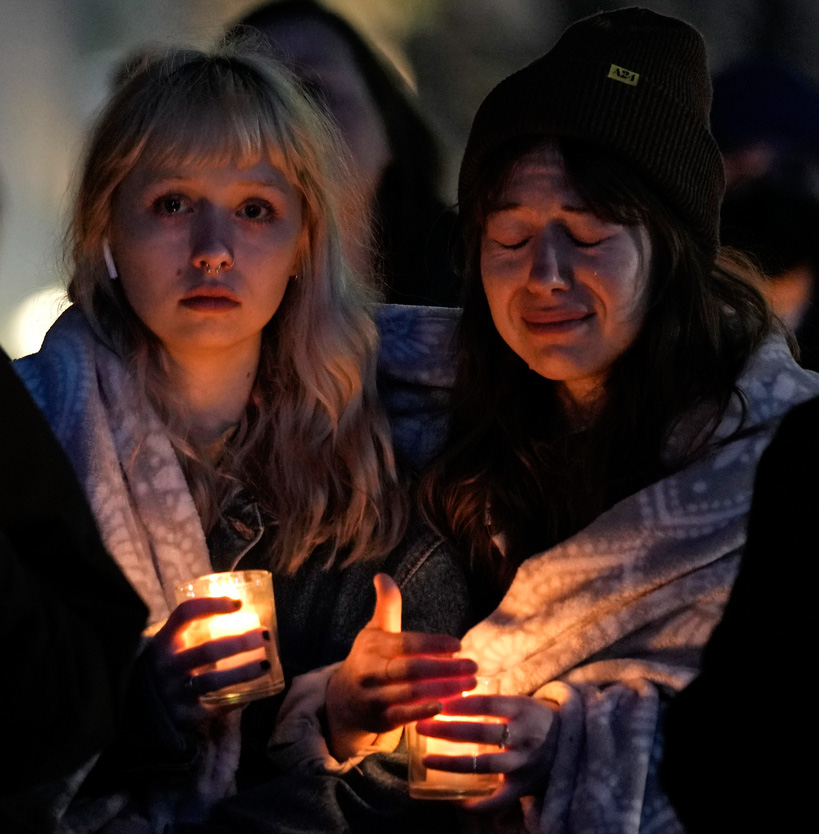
[[511, 449]]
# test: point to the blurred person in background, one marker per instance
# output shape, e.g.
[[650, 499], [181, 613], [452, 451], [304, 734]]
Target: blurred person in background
[[765, 119], [393, 152], [720, 774], [721, 769], [70, 623]]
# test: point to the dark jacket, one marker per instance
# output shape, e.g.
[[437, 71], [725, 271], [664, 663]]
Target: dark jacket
[[740, 738], [69, 621]]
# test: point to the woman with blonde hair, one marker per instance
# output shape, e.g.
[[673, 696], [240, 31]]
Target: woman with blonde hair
[[214, 386]]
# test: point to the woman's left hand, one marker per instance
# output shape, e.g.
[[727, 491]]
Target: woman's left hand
[[525, 739], [389, 679]]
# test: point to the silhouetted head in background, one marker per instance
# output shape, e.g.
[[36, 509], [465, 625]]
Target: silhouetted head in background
[[394, 155], [765, 118]]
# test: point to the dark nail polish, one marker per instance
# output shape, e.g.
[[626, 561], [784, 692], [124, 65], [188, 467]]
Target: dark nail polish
[[265, 635], [265, 664], [237, 604]]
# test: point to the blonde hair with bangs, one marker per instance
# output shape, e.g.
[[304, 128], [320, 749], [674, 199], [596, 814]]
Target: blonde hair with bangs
[[313, 445]]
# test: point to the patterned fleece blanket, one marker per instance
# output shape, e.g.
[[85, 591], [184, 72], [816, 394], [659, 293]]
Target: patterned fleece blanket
[[148, 522], [608, 624], [611, 622]]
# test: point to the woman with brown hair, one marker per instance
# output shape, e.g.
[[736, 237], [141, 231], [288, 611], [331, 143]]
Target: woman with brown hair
[[618, 378]]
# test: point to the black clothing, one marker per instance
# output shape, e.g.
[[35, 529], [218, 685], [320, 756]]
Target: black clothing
[[740, 738], [70, 622], [416, 253]]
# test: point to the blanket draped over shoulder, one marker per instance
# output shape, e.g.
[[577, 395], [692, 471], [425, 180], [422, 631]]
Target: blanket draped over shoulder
[[141, 502], [612, 621]]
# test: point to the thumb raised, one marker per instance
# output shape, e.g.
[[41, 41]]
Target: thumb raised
[[387, 614]]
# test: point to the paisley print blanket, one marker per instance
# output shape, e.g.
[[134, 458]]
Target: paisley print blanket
[[148, 522], [611, 622]]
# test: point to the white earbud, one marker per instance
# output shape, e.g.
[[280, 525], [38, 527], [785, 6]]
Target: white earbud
[[109, 260]]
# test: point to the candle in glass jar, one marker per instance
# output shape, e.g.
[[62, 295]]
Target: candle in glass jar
[[428, 783], [255, 591]]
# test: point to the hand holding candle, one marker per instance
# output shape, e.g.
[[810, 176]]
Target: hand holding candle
[[234, 654], [513, 736], [176, 663], [390, 678]]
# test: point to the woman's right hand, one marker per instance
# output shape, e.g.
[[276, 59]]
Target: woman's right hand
[[391, 678], [175, 669]]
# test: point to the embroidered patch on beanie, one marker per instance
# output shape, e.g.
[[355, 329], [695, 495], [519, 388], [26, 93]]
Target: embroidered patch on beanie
[[624, 75]]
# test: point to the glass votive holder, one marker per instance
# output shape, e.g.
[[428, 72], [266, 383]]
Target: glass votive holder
[[255, 589], [426, 783]]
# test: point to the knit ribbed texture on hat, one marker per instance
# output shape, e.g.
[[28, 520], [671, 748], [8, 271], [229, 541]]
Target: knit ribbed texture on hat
[[633, 81]]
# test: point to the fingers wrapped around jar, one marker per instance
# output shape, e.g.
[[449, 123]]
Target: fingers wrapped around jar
[[183, 674], [522, 729]]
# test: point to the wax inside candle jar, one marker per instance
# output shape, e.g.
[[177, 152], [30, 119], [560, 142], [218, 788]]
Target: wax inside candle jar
[[224, 625], [445, 747], [428, 783], [228, 625]]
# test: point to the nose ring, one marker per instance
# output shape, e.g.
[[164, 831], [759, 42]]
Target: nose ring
[[215, 271]]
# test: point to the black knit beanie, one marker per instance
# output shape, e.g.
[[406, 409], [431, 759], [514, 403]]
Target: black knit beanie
[[632, 81]]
